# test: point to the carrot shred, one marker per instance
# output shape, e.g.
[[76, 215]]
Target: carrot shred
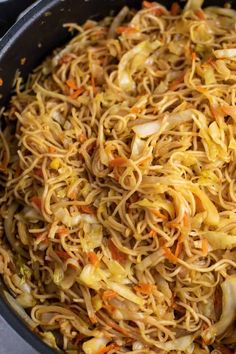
[[38, 172], [198, 203], [186, 219], [93, 85], [145, 289], [118, 162], [107, 348], [71, 84], [123, 29], [1, 82], [109, 295], [77, 93], [175, 9], [169, 255], [116, 254], [135, 110], [200, 14], [152, 233], [119, 328], [82, 138], [205, 246], [86, 209], [51, 149], [229, 110], [62, 231], [174, 84], [194, 56], [151, 5], [37, 201], [92, 258], [62, 254], [159, 214], [179, 248]]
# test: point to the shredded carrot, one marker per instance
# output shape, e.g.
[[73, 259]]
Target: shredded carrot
[[135, 110], [37, 201], [169, 255], [216, 112], [77, 93], [151, 5], [159, 214], [205, 246], [38, 172], [1, 82], [198, 203], [86, 209], [62, 254], [119, 328], [145, 289], [92, 258], [186, 219], [107, 348], [175, 9], [194, 56], [118, 162], [200, 14], [152, 233], [82, 138], [93, 85], [62, 231], [175, 83], [93, 319], [109, 295], [179, 248], [51, 149], [65, 59], [122, 29], [117, 255], [71, 84]]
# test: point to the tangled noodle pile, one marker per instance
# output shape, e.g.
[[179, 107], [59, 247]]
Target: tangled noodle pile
[[118, 199]]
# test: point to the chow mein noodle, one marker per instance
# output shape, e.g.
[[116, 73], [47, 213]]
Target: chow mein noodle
[[118, 198]]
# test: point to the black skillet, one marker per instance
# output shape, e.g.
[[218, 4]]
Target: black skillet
[[31, 38]]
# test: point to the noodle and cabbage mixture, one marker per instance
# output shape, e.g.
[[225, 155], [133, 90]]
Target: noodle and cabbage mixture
[[118, 175]]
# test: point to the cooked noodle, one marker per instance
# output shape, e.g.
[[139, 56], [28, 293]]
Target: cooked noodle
[[118, 203]]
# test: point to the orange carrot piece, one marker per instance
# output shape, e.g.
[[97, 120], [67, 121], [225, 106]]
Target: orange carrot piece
[[178, 249], [173, 85], [71, 84], [62, 254], [152, 233], [169, 255], [151, 5], [51, 149], [186, 219], [116, 254], [118, 162], [1, 82], [194, 56], [77, 93], [200, 14], [175, 9], [145, 289], [107, 348], [135, 110], [109, 295], [86, 209], [37, 201], [123, 29], [93, 85], [92, 258], [82, 138], [62, 231], [38, 172], [159, 214]]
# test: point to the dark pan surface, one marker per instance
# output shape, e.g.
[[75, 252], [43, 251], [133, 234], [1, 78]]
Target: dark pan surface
[[33, 37]]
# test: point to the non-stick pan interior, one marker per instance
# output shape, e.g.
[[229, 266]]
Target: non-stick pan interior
[[34, 36]]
